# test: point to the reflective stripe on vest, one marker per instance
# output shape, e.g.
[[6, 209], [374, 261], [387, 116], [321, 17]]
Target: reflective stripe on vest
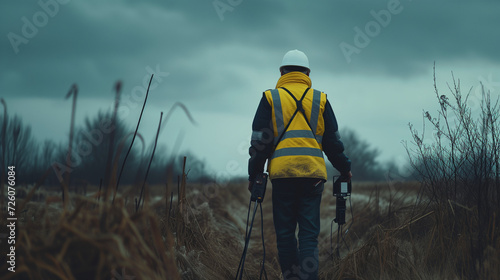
[[315, 110], [297, 151], [278, 112]]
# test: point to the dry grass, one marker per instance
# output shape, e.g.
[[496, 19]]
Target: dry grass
[[86, 244], [391, 238]]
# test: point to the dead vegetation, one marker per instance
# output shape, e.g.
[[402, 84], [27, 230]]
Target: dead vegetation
[[391, 237], [400, 230]]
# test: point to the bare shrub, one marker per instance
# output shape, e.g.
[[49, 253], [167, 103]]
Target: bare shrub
[[459, 169]]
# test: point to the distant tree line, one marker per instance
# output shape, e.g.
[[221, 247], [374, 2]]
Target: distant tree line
[[365, 163], [91, 143], [89, 151]]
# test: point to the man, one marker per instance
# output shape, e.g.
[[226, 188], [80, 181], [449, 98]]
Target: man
[[293, 126]]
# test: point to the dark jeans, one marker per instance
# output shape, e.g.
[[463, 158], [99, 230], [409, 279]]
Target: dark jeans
[[295, 201]]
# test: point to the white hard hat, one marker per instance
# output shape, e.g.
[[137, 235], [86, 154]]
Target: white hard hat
[[295, 58]]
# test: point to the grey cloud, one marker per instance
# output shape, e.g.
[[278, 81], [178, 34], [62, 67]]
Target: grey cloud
[[424, 31], [95, 43]]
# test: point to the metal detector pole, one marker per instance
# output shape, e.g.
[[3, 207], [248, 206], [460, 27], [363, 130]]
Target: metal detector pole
[[258, 192]]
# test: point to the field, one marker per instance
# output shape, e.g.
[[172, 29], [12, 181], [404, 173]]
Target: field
[[200, 235]]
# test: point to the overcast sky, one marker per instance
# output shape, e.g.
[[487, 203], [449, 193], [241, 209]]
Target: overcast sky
[[373, 59]]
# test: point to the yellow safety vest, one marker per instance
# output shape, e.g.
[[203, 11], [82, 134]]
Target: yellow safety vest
[[299, 153]]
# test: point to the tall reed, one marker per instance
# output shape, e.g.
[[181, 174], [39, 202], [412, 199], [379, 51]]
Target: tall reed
[[4, 144], [65, 184]]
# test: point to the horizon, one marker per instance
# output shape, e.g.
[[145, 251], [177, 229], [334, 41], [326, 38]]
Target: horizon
[[374, 60]]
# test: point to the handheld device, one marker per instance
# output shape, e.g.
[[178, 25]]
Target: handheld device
[[341, 189], [259, 187]]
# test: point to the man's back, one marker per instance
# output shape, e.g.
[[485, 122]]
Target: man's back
[[297, 133], [293, 126]]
